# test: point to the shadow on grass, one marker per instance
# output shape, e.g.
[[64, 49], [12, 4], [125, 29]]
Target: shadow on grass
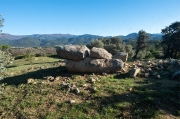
[[39, 74], [11, 66], [151, 100], [39, 63], [121, 76], [144, 101]]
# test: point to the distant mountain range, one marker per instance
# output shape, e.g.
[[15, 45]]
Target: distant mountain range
[[36, 40]]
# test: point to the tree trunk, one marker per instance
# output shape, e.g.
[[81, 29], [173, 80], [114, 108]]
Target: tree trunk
[[136, 53], [175, 54]]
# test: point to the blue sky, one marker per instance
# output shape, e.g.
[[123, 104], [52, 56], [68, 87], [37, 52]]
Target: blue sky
[[97, 17]]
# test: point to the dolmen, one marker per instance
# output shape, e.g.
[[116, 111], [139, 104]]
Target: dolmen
[[81, 59]]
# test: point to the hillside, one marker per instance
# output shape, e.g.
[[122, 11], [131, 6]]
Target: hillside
[[59, 39]]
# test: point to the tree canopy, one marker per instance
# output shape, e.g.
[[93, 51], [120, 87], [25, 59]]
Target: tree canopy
[[1, 22], [141, 42], [171, 40]]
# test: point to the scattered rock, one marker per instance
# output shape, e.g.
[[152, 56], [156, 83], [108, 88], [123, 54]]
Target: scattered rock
[[76, 90], [158, 76], [65, 85], [134, 72], [73, 52], [146, 74], [50, 78], [72, 101], [57, 78], [62, 60], [155, 74], [92, 89], [100, 53], [148, 62], [85, 85], [92, 80], [123, 56], [104, 74], [30, 81]]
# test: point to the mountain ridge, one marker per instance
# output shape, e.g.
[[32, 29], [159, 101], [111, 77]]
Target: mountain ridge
[[35, 40]]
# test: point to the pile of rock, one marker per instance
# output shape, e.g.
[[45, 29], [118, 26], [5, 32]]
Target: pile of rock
[[158, 69], [97, 60]]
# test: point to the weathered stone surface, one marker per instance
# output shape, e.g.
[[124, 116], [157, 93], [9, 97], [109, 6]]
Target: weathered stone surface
[[73, 52], [134, 72], [93, 65], [176, 75], [100, 53], [123, 56]]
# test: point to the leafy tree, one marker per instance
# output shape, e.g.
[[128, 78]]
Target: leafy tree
[[29, 56], [141, 42], [171, 40], [1, 22], [5, 47], [129, 50], [96, 43]]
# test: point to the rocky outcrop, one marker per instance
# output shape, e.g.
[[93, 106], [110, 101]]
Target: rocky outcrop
[[100, 53], [73, 52], [123, 56], [94, 65], [81, 59]]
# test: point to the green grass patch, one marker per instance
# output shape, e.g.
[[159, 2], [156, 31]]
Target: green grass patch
[[115, 96]]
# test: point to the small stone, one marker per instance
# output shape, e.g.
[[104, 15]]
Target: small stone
[[73, 86], [142, 70], [58, 78], [85, 85], [148, 62], [93, 89], [155, 74], [30, 81], [133, 72], [72, 101], [64, 85], [92, 80], [146, 74], [158, 76], [104, 74], [50, 78], [42, 67], [76, 90]]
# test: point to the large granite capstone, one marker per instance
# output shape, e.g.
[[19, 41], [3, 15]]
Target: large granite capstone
[[73, 52]]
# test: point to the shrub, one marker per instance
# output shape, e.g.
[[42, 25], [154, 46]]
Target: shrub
[[5, 59]]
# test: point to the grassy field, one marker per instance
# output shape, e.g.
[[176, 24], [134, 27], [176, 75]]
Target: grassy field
[[98, 96]]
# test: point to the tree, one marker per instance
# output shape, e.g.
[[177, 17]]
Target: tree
[[96, 43], [141, 42], [6, 47], [171, 40], [1, 22], [29, 56]]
